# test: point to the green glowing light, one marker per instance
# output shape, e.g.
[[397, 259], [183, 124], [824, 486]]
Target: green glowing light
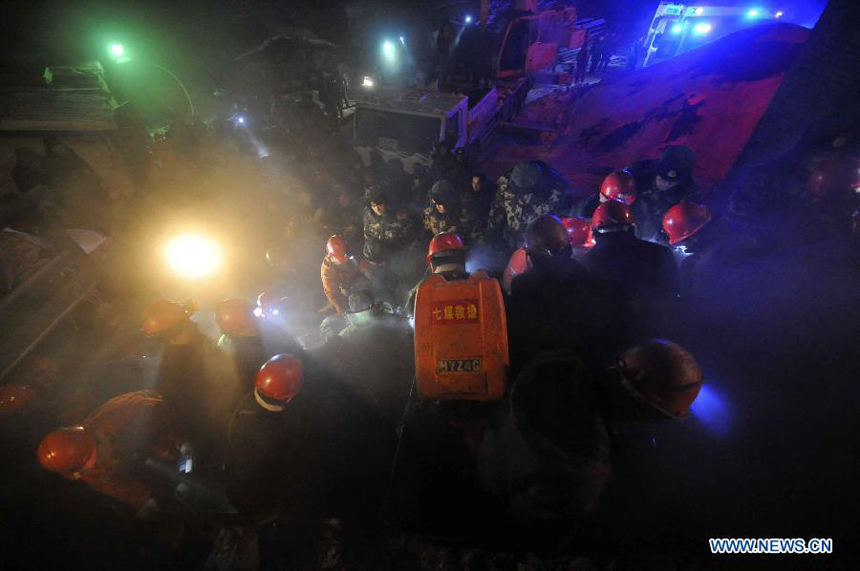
[[117, 50]]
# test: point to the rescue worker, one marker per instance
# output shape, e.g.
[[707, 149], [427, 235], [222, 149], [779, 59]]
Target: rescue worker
[[418, 191], [339, 273], [682, 228], [446, 256], [375, 340], [550, 458], [261, 432], [709, 253], [579, 230], [551, 297], [446, 213], [683, 221], [528, 191], [661, 184], [618, 185], [444, 164], [274, 468], [364, 312], [109, 448], [637, 273], [389, 244], [478, 198], [244, 340], [385, 230], [196, 378]]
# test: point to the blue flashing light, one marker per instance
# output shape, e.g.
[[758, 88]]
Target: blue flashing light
[[676, 29], [778, 14], [752, 13], [712, 409], [468, 19], [702, 28], [699, 11]]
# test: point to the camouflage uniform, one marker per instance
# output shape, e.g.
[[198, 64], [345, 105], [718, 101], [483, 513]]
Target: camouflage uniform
[[513, 207], [460, 222], [385, 234]]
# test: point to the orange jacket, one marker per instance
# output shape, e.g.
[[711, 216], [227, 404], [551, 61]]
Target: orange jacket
[[336, 278], [124, 426], [518, 264]]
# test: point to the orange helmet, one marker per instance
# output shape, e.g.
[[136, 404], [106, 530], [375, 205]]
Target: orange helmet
[[236, 317], [16, 398], [612, 213], [336, 248], [619, 185], [162, 318], [834, 176], [67, 450], [444, 242], [685, 219], [665, 374], [278, 380], [578, 229]]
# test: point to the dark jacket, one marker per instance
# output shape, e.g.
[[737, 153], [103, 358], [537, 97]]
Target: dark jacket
[[551, 309], [641, 271], [201, 386], [550, 457], [639, 276]]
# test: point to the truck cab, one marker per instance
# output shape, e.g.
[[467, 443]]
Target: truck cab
[[408, 125]]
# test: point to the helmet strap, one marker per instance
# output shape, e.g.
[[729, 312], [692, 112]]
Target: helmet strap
[[267, 403], [614, 228]]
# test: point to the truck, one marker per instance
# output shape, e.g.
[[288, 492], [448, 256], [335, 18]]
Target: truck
[[678, 28], [406, 124]]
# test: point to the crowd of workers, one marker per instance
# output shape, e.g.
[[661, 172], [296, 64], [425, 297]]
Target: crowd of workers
[[297, 442]]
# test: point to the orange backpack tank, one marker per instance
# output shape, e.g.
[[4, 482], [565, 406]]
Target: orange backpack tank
[[461, 339]]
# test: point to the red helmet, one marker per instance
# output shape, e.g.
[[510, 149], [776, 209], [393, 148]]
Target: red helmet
[[578, 229], [444, 242], [664, 373], [67, 450], [612, 213], [336, 248], [685, 219], [833, 176], [619, 185], [16, 398], [279, 380], [236, 317], [162, 317]]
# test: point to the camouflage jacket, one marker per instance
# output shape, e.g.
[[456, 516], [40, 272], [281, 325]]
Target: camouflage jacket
[[461, 222], [511, 212], [384, 234]]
